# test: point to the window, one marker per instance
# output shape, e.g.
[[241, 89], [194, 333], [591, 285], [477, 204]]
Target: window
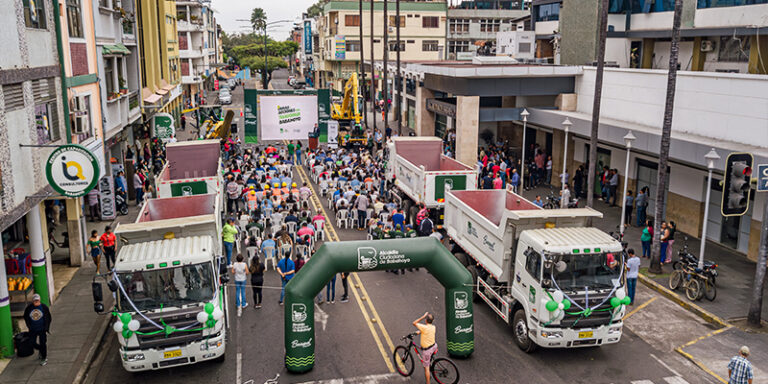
[[430, 22], [458, 26], [352, 20], [109, 75], [458, 46], [533, 263], [34, 14], [547, 12], [45, 124], [353, 45], [429, 45], [727, 3], [393, 21], [393, 45], [74, 19], [105, 3], [733, 49], [490, 25]]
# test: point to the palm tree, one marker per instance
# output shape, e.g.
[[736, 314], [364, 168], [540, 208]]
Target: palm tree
[[258, 19], [666, 130], [596, 102]]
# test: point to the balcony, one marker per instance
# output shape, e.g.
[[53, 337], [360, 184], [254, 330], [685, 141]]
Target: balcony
[[193, 53], [184, 26], [192, 79], [122, 109]]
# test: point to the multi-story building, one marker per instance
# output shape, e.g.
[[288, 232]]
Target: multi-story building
[[422, 36], [118, 64], [473, 25], [159, 61], [545, 21], [198, 42]]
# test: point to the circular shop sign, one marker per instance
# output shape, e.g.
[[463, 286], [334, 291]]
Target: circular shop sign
[[72, 170]]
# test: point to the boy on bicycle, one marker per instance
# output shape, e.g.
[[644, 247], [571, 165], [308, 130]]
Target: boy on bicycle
[[428, 346]]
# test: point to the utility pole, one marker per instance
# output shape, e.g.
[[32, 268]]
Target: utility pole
[[591, 171], [264, 78], [384, 85], [362, 65], [373, 74], [398, 79], [756, 305]]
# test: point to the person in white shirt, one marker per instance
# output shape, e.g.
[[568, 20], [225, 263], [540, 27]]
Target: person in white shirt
[[633, 269], [240, 270], [565, 197]]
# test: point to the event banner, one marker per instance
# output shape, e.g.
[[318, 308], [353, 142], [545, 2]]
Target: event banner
[[287, 117]]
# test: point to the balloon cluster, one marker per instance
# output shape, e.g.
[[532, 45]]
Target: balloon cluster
[[209, 316], [620, 299], [558, 302], [127, 326]]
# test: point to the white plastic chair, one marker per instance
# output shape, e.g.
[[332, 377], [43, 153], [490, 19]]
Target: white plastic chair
[[286, 250], [269, 254], [353, 219], [320, 230], [291, 228], [342, 217], [384, 216], [255, 232], [251, 251], [303, 250]]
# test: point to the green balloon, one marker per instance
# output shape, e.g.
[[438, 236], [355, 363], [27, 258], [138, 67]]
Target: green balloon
[[626, 300], [566, 303], [210, 323], [551, 305], [127, 333], [209, 308], [615, 302], [125, 318]]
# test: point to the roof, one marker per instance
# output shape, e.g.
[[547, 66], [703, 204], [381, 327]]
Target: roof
[[427, 151], [193, 249], [565, 240], [152, 99]]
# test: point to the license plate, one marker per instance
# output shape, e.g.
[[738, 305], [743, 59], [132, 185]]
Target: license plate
[[172, 354], [582, 335]]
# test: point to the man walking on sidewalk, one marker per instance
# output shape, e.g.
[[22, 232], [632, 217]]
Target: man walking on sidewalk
[[38, 320], [108, 246], [740, 369]]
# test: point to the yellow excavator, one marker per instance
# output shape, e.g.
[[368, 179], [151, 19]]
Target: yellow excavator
[[217, 129], [348, 115]]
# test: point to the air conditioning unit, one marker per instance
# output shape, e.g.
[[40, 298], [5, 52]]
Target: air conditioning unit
[[79, 115], [80, 124], [707, 46]]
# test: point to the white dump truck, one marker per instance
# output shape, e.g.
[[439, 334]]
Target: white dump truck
[[557, 282], [192, 168], [421, 173], [170, 302]]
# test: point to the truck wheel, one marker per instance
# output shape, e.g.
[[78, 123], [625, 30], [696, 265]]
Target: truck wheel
[[407, 204], [520, 328], [462, 258], [473, 272]]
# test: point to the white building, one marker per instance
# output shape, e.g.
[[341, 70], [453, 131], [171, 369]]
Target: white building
[[198, 47]]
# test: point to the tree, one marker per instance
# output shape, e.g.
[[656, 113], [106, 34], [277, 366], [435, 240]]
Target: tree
[[316, 9], [666, 131], [591, 172], [258, 19], [274, 48], [256, 63]]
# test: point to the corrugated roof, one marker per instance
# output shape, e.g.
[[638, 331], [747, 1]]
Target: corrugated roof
[[569, 238], [165, 250]]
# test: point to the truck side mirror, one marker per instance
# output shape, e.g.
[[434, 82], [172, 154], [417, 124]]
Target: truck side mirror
[[98, 295]]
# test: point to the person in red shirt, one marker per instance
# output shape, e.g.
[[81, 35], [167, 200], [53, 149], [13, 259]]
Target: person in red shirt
[[108, 246]]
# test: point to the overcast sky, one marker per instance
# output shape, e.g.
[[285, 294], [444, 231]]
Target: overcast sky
[[228, 11]]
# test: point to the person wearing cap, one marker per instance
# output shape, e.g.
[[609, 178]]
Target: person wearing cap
[[252, 200], [38, 320], [740, 369]]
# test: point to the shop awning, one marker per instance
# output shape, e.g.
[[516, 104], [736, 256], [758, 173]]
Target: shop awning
[[152, 99], [116, 49]]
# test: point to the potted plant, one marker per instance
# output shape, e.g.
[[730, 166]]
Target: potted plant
[[123, 85]]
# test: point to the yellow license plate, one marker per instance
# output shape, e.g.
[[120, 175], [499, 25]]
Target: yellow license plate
[[582, 335], [172, 354]]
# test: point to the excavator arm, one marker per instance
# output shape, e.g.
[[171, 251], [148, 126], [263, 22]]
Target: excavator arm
[[349, 109]]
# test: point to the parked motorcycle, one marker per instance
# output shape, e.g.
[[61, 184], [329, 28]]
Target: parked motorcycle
[[120, 202], [689, 259]]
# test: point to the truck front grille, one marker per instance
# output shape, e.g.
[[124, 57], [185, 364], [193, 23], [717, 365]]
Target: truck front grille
[[597, 318], [183, 318]]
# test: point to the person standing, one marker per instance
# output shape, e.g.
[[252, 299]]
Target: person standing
[[183, 122], [565, 197], [138, 187], [740, 369], [664, 243], [514, 180], [291, 149], [427, 341], [362, 209], [94, 245], [633, 269], [93, 205], [330, 290], [298, 152], [240, 272], [671, 228], [497, 183], [228, 236], [641, 204], [38, 320], [578, 181], [56, 212], [345, 285], [646, 238], [628, 203], [287, 269], [549, 170], [108, 246], [613, 185]]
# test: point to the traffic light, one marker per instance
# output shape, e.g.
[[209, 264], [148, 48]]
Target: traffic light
[[736, 184]]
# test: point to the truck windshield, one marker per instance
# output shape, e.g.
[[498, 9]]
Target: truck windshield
[[171, 287], [599, 270]]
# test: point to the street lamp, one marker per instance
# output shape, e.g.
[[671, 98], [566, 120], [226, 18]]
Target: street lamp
[[524, 114], [566, 127], [711, 157], [628, 139]]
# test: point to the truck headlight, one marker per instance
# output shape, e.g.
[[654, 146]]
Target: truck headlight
[[133, 358], [206, 345], [614, 330], [552, 334]]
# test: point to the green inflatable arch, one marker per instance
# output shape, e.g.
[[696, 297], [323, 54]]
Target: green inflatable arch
[[351, 256]]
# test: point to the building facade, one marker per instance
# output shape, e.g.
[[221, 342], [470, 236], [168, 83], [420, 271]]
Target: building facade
[[473, 25], [198, 45]]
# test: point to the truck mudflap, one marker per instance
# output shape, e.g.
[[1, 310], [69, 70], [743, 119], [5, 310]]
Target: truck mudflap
[[575, 338], [154, 359], [488, 295]]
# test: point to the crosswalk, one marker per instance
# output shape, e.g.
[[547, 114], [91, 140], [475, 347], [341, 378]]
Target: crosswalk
[[667, 380]]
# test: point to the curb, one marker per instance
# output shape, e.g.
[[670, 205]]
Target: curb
[[89, 356], [699, 311], [700, 364]]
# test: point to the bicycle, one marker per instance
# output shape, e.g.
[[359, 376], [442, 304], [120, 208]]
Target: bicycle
[[695, 284], [442, 369]]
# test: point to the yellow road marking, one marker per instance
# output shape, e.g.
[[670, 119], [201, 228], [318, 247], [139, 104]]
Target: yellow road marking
[[359, 296], [700, 365], [708, 335], [639, 307]]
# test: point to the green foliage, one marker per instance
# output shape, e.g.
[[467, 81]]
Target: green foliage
[[274, 48], [256, 63], [316, 9]]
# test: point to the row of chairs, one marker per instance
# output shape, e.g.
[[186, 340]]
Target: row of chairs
[[351, 220]]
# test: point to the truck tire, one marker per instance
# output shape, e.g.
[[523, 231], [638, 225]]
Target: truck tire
[[473, 272], [520, 329], [407, 204], [462, 258]]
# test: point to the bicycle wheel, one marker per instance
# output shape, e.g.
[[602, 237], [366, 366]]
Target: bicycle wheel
[[692, 289], [403, 361], [675, 279], [677, 265], [710, 290], [444, 371]]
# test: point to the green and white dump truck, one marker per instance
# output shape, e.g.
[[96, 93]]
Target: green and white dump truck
[[191, 168], [170, 302], [557, 282], [421, 173]]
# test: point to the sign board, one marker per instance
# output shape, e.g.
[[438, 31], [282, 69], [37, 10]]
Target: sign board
[[323, 113], [72, 170], [333, 133], [162, 126], [250, 117], [287, 117], [762, 177], [307, 37], [341, 47], [189, 188], [441, 107], [107, 198]]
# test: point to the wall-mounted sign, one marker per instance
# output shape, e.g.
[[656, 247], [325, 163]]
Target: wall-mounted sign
[[307, 37], [341, 47], [163, 126], [72, 170], [441, 107]]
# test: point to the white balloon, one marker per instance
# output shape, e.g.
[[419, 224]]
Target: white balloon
[[620, 293], [202, 317], [558, 296], [134, 325], [217, 314], [560, 306], [117, 326]]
